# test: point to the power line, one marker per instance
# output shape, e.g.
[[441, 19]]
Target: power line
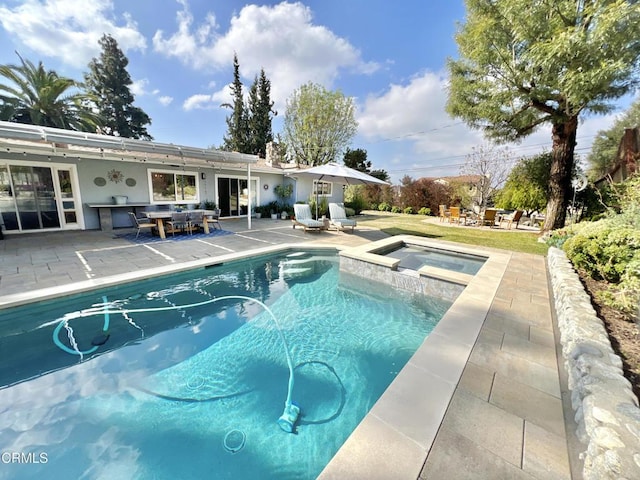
[[458, 165]]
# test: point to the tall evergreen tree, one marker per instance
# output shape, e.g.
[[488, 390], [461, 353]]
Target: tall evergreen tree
[[108, 81], [237, 136], [260, 111]]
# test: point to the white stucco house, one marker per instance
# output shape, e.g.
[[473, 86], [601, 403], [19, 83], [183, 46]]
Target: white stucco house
[[53, 179]]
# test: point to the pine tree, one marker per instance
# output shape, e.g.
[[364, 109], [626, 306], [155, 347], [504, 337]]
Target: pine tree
[[237, 136], [108, 81]]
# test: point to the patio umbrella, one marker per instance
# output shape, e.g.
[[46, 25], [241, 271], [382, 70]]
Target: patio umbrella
[[333, 172]]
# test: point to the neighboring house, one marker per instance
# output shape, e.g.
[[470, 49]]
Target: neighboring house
[[53, 179], [627, 158], [467, 186]]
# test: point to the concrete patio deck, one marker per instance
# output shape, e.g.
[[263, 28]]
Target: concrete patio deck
[[505, 418]]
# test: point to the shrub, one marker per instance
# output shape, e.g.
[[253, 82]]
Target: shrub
[[609, 249], [357, 203], [424, 211], [408, 211], [395, 209], [384, 207]]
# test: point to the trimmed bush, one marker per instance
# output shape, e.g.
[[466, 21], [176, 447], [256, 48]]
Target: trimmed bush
[[395, 209], [384, 207], [424, 211], [408, 211]]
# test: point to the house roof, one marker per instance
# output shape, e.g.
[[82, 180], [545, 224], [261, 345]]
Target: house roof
[[472, 179], [17, 138]]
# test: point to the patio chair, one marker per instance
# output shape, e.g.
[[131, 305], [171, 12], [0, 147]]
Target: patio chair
[[303, 218], [179, 222], [443, 212], [454, 214], [195, 221], [338, 217], [510, 219], [140, 223], [489, 217], [214, 218]]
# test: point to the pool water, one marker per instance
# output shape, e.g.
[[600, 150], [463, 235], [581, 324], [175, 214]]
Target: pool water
[[414, 257], [195, 392]]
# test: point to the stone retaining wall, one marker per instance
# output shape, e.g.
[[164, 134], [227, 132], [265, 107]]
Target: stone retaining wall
[[606, 410]]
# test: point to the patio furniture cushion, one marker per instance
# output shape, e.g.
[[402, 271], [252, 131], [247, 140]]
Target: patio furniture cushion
[[338, 217], [303, 217]]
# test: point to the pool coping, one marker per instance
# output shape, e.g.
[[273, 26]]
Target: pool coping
[[395, 437]]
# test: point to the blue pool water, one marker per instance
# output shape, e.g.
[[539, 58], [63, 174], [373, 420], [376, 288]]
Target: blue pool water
[[415, 257], [195, 392]]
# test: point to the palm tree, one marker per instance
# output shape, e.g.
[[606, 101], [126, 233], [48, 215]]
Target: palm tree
[[31, 94]]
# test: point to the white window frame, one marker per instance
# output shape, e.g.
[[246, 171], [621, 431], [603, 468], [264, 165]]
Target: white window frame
[[329, 186], [175, 173]]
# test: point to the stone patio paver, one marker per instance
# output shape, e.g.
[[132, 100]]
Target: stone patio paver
[[505, 417]]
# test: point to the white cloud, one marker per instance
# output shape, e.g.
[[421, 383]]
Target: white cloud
[[282, 39], [200, 101], [413, 115], [69, 29], [139, 87], [165, 100], [208, 101], [415, 112]]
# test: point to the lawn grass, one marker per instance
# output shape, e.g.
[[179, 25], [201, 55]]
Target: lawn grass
[[401, 224]]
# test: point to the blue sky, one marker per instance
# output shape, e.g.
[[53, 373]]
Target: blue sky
[[389, 56]]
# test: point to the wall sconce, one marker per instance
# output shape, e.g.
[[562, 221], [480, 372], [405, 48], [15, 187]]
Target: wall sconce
[[203, 175]]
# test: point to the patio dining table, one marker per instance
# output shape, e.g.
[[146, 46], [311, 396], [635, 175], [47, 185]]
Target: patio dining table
[[161, 215]]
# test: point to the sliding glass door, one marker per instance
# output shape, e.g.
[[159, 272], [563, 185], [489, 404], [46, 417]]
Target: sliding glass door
[[37, 197], [233, 196]]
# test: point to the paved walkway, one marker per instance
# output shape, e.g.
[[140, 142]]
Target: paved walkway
[[505, 420]]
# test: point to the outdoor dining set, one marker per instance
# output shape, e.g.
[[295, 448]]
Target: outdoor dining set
[[490, 217], [182, 222]]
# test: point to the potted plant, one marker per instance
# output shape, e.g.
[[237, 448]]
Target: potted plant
[[273, 209], [261, 210]]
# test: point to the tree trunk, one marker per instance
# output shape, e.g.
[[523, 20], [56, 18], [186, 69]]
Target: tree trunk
[[564, 143]]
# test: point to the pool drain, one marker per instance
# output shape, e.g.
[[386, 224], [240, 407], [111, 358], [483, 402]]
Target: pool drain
[[195, 383], [234, 441]]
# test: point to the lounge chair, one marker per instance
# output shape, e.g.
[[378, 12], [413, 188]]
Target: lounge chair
[[511, 219], [304, 219], [338, 217], [140, 223]]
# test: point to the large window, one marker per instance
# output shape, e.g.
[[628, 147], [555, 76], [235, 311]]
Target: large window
[[173, 187], [322, 188]]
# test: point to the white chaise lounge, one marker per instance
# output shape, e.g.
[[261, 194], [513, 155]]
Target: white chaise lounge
[[303, 218], [338, 217]]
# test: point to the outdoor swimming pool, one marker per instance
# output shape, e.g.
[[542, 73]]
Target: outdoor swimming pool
[[181, 391]]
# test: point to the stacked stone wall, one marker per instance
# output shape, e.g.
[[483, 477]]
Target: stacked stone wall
[[606, 409]]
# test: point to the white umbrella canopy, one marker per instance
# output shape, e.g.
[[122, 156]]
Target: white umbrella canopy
[[333, 172]]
